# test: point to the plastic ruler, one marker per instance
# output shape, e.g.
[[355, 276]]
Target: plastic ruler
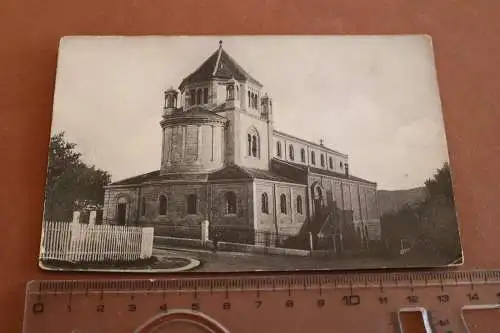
[[415, 302]]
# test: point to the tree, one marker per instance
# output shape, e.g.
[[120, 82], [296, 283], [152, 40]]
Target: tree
[[69, 180], [440, 187], [431, 225], [439, 225]]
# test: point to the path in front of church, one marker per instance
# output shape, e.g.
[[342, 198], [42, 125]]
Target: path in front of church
[[237, 261]]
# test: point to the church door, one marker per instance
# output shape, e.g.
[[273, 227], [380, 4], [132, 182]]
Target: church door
[[121, 213], [318, 200], [317, 206]]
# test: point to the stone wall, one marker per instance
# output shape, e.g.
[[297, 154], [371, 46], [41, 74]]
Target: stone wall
[[243, 218], [275, 221], [265, 221], [143, 204], [177, 196], [144, 207], [111, 198]]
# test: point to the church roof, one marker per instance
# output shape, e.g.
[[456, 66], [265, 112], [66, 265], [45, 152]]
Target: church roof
[[219, 65], [138, 179], [308, 169], [194, 114], [231, 172], [156, 176], [239, 172], [317, 145]]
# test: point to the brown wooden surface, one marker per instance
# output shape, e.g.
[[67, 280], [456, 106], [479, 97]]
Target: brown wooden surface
[[466, 36]]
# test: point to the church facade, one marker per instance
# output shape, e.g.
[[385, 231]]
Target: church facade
[[223, 161]]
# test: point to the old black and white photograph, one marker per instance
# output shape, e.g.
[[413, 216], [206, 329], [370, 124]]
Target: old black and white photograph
[[248, 153]]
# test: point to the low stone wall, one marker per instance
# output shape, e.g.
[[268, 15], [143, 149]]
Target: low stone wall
[[226, 246], [247, 248], [177, 242]]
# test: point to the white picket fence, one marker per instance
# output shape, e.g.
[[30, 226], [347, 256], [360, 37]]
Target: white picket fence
[[95, 243]]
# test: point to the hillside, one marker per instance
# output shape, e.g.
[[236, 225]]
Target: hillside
[[392, 201]]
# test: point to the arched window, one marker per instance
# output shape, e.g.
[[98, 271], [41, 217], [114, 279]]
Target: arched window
[[199, 96], [278, 149], [322, 160], [123, 200], [299, 204], [283, 203], [143, 206], [341, 164], [229, 92], [255, 145], [162, 205], [331, 162], [249, 139], [192, 203], [230, 202], [253, 142], [313, 158], [205, 95], [303, 155], [291, 153], [264, 205], [319, 193], [256, 102], [249, 99]]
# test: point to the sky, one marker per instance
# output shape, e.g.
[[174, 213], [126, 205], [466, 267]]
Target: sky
[[375, 98]]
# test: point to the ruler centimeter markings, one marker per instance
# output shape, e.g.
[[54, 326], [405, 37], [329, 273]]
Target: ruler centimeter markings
[[352, 302]]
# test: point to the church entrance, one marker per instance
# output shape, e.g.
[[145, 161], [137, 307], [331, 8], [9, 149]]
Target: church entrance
[[121, 213], [318, 200]]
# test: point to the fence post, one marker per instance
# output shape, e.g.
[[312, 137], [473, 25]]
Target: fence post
[[204, 232], [147, 242], [76, 217], [92, 217], [341, 238], [310, 239]]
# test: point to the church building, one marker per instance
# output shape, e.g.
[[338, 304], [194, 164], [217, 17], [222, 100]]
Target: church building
[[223, 161]]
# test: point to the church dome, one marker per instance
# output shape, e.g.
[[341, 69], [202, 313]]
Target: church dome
[[193, 141]]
